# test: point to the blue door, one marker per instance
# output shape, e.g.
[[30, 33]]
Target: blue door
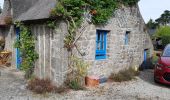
[[18, 62], [145, 61], [145, 55]]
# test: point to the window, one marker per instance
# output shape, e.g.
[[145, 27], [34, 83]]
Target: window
[[127, 37], [101, 36]]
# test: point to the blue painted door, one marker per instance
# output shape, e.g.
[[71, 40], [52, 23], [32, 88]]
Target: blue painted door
[[18, 59], [145, 55]]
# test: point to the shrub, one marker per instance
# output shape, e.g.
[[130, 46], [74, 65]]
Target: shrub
[[125, 75], [76, 78], [74, 84], [41, 86], [130, 2], [26, 45], [154, 58], [163, 32]]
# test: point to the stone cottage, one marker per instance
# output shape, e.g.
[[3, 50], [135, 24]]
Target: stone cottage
[[122, 43]]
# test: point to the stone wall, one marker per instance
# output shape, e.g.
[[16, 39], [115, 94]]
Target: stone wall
[[52, 62], [53, 57], [119, 55]]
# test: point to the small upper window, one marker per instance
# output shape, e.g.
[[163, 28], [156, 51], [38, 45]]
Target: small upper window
[[101, 38], [127, 37]]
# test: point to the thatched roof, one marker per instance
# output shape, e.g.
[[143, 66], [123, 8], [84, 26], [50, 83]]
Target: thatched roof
[[5, 16], [31, 9]]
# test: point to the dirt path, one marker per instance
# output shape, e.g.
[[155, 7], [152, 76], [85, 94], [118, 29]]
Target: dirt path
[[12, 87], [12, 82]]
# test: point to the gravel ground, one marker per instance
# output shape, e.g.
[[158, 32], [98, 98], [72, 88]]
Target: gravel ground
[[12, 87]]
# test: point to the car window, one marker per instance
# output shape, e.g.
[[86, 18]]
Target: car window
[[166, 52]]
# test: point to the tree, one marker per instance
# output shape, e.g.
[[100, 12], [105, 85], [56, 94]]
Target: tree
[[164, 18], [151, 24], [163, 32]]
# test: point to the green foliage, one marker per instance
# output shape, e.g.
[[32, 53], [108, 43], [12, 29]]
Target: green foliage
[[68, 40], [154, 58], [69, 8], [164, 33], [72, 11], [129, 2], [75, 8], [26, 45], [151, 24], [80, 67], [74, 84], [51, 24], [104, 10], [164, 18], [79, 73]]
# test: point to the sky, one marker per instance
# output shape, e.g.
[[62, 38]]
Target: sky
[[1, 3], [150, 9]]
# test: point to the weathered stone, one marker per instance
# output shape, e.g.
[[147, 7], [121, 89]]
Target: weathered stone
[[53, 57]]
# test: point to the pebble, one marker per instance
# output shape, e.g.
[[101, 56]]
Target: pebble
[[13, 87]]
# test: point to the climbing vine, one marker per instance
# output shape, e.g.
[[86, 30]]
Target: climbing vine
[[73, 13], [26, 45], [76, 78]]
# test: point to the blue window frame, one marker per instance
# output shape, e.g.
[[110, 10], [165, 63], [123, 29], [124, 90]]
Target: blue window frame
[[101, 40], [127, 37]]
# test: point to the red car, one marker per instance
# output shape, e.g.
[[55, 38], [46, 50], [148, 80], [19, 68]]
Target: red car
[[162, 68]]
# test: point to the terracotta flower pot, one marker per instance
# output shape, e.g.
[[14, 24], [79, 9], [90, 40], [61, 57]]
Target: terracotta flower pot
[[91, 81]]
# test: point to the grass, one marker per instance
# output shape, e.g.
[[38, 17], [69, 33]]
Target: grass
[[125, 75], [154, 58]]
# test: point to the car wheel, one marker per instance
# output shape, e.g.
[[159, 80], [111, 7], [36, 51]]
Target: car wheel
[[155, 80]]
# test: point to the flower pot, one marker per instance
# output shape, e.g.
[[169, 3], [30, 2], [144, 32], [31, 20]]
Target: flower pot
[[92, 81], [93, 12]]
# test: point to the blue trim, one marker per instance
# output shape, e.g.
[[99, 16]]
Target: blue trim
[[18, 59], [145, 55], [101, 41]]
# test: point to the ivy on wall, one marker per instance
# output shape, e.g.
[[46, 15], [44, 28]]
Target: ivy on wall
[[72, 12], [129, 2], [26, 45], [101, 10]]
